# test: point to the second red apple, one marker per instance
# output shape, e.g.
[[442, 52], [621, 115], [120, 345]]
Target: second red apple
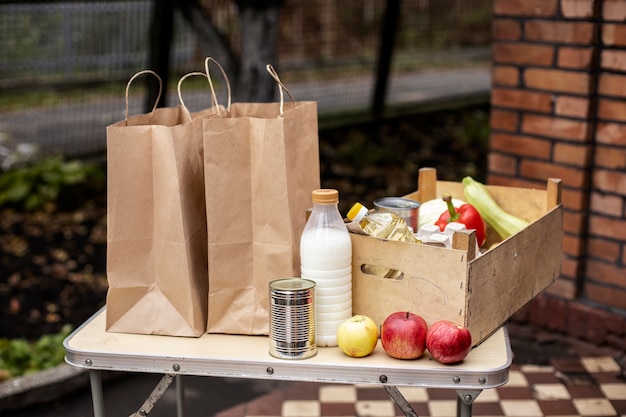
[[403, 335], [448, 342]]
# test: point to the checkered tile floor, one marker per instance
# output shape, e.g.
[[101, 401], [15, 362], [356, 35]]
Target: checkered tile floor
[[588, 386]]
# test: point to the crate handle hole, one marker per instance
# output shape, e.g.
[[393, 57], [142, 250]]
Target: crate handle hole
[[382, 271]]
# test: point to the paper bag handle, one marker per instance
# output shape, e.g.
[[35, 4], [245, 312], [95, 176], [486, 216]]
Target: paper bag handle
[[180, 95], [208, 75], [281, 87], [156, 102]]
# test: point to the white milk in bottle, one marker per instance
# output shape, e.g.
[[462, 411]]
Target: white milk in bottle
[[326, 258]]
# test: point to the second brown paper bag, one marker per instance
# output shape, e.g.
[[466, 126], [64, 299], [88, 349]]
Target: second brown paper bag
[[261, 164]]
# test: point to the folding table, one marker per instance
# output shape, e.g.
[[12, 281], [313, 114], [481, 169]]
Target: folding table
[[237, 356]]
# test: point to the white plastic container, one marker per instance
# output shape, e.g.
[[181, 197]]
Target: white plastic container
[[326, 258]]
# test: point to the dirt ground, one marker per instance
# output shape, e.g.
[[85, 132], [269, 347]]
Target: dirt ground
[[52, 263]]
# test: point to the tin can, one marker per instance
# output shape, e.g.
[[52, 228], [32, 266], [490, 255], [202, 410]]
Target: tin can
[[403, 207], [292, 318]]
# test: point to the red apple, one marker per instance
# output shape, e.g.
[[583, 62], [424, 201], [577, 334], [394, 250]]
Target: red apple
[[403, 335], [448, 342]]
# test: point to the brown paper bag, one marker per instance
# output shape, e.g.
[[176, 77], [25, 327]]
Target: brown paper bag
[[156, 238], [261, 165]]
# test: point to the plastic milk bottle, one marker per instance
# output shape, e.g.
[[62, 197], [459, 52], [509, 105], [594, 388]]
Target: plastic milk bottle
[[326, 258]]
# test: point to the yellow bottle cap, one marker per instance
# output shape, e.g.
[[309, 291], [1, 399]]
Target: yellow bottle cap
[[357, 212]]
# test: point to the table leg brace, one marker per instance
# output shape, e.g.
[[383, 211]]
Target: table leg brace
[[156, 394], [399, 399]]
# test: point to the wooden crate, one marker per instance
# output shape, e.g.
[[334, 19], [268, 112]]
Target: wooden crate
[[480, 292]]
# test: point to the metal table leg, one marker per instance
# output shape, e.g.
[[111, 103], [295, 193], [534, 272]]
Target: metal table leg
[[180, 396], [97, 397], [464, 401]]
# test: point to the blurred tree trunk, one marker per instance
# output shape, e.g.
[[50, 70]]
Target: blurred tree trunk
[[161, 33], [259, 22], [213, 43], [259, 47]]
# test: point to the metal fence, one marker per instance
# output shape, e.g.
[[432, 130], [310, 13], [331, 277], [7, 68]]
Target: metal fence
[[70, 42], [56, 58]]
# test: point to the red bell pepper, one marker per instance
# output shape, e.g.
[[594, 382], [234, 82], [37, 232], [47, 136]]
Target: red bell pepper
[[465, 214]]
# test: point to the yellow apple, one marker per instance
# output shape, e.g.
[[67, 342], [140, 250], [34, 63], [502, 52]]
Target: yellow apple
[[357, 336]]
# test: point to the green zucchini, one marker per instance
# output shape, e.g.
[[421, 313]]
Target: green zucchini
[[504, 223]]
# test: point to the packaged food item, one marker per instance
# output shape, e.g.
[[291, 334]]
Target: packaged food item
[[382, 224]]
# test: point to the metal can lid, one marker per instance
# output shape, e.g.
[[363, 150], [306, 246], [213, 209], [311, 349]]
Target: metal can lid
[[396, 203], [291, 284]]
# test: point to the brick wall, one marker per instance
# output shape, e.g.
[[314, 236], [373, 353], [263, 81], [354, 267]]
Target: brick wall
[[559, 110]]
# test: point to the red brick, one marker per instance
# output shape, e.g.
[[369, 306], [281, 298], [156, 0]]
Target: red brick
[[612, 85], [606, 272], [504, 120], [521, 99], [555, 127], [612, 109], [612, 322], [570, 272], [572, 106], [614, 60], [573, 245], [611, 158], [603, 249], [574, 224], [607, 204], [557, 80], [572, 177], [577, 317], [503, 164], [506, 29], [596, 331], [521, 145], [563, 287], [574, 58], [523, 54], [572, 154], [614, 10], [555, 309], [606, 295], [608, 227], [505, 75], [610, 181], [574, 199], [537, 314], [543, 8], [559, 31], [611, 133], [614, 34], [577, 9]]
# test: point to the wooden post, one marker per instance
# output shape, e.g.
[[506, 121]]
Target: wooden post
[[553, 193], [426, 184]]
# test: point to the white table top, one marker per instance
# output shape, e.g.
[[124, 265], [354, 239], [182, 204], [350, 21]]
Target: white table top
[[91, 347]]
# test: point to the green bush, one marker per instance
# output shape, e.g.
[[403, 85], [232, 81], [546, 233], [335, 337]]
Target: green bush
[[20, 357], [35, 186]]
